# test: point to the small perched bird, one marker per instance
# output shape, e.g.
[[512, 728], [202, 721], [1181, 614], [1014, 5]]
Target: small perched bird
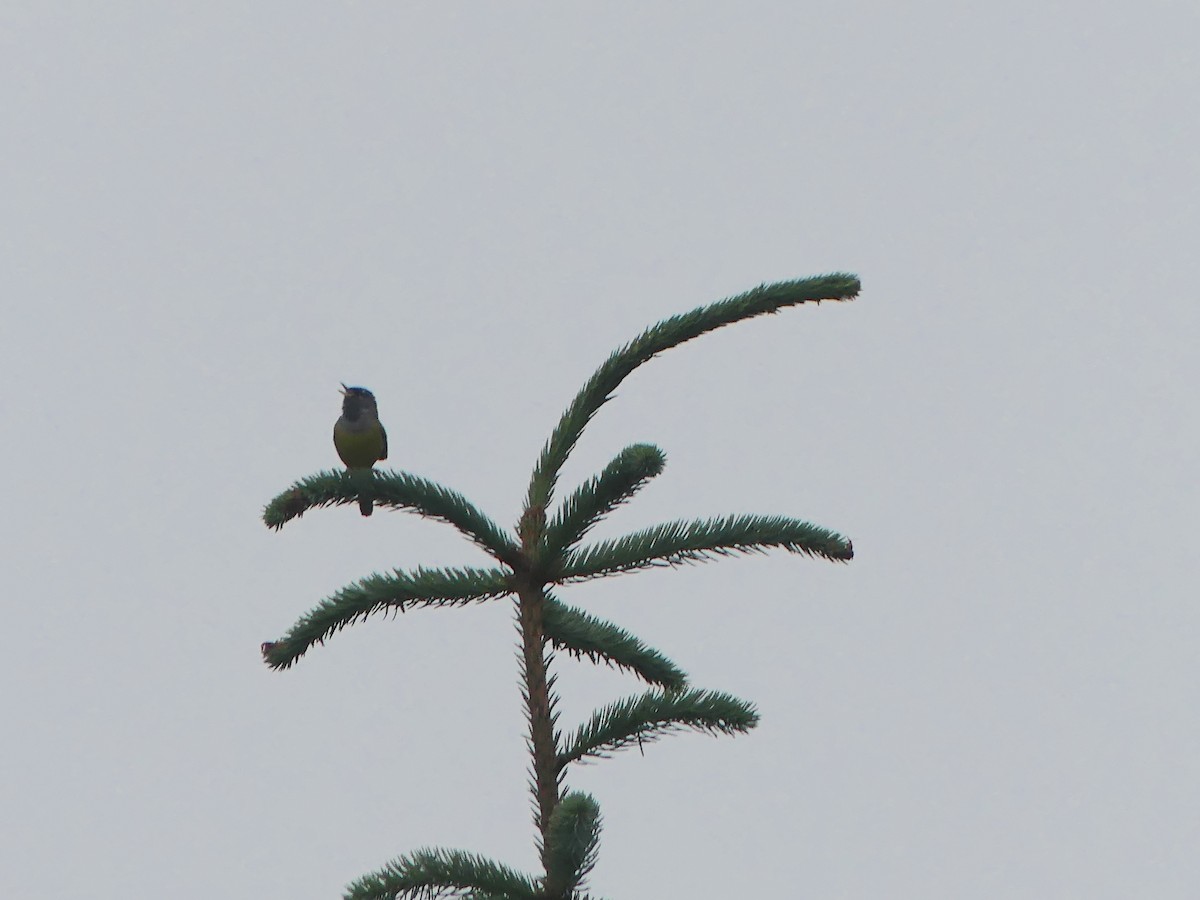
[[359, 437]]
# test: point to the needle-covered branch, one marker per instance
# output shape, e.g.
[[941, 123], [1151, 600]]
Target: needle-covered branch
[[545, 549], [427, 874], [399, 591], [640, 720], [572, 843], [597, 497], [399, 490], [580, 634], [598, 390], [699, 540]]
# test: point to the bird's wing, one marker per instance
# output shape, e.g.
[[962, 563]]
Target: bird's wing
[[383, 433]]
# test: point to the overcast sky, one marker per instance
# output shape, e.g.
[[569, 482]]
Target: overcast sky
[[214, 213]]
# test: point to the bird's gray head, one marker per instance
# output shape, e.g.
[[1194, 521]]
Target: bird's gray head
[[356, 401]]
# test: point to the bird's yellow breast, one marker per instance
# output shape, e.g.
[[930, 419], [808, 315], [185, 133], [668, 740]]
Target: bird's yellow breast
[[359, 449]]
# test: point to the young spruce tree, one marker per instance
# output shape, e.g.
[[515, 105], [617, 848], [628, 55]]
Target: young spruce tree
[[546, 552]]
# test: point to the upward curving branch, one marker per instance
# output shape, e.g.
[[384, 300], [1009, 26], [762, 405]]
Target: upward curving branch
[[598, 390], [623, 477], [400, 591], [680, 542]]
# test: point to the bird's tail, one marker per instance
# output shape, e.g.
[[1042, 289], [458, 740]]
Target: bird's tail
[[362, 482]]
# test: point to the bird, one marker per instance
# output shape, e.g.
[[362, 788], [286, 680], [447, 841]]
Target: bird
[[359, 438]]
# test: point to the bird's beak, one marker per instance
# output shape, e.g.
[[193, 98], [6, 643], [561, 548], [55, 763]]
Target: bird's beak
[[345, 390]]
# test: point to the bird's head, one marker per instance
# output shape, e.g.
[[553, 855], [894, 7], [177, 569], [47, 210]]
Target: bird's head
[[356, 401]]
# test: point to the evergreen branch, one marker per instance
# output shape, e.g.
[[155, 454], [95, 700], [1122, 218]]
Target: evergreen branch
[[639, 720], [399, 490], [427, 874], [572, 842], [598, 390], [597, 497], [582, 635], [700, 540], [376, 593]]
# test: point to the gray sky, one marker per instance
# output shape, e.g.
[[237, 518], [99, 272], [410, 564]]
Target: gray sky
[[214, 214]]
